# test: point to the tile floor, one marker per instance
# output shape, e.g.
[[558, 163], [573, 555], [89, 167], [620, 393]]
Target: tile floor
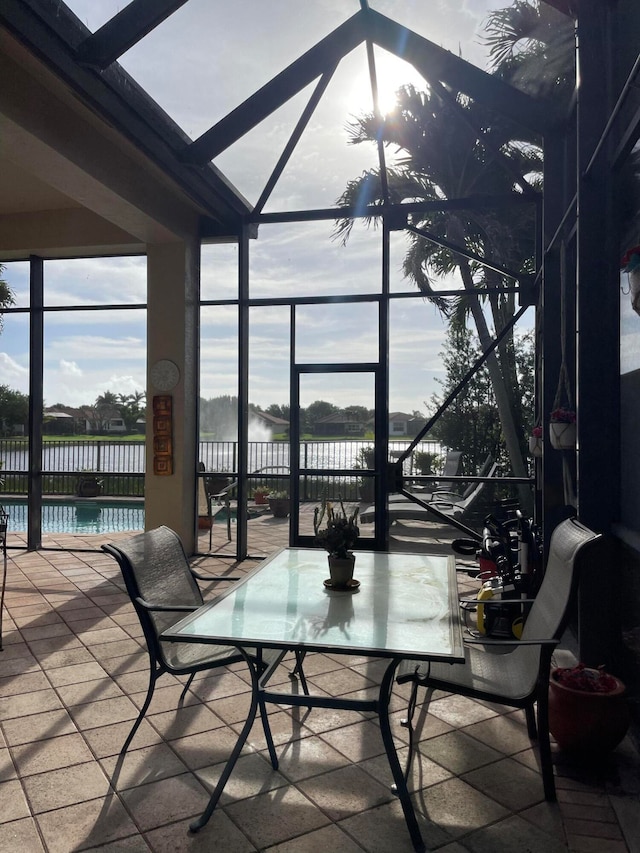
[[73, 673]]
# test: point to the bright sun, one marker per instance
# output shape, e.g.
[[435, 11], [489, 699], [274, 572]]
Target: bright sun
[[391, 73]]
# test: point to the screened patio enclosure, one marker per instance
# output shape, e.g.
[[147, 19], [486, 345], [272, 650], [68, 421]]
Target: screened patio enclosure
[[98, 168]]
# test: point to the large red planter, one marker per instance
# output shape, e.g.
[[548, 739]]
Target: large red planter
[[589, 723]]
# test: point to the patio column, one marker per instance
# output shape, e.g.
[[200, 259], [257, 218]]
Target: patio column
[[597, 338], [173, 273]]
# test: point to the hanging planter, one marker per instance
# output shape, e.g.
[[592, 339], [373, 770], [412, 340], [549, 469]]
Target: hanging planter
[[631, 265], [562, 429], [535, 441]]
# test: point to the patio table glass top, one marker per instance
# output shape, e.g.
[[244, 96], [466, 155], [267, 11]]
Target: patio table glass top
[[406, 606]]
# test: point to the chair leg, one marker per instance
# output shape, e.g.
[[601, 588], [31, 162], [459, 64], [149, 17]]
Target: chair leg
[[153, 677], [407, 722], [210, 527], [298, 671], [544, 745], [186, 687], [532, 729]]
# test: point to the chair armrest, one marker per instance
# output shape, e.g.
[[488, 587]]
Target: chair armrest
[[438, 493], [165, 608], [200, 577], [472, 641]]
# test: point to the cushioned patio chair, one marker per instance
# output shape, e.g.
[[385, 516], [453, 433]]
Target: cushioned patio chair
[[163, 587], [515, 673]]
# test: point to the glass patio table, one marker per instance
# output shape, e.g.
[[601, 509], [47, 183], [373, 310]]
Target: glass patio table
[[406, 606]]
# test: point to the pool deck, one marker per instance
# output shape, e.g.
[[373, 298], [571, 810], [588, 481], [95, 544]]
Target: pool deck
[[73, 674]]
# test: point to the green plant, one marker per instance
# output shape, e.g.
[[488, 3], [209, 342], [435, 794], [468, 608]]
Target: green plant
[[426, 462], [341, 532], [365, 458], [261, 490], [278, 496]]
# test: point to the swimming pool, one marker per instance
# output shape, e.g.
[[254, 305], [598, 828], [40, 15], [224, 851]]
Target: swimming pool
[[78, 516]]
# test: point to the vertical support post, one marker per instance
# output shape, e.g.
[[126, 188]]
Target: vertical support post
[[36, 402], [597, 326], [243, 391], [173, 332]]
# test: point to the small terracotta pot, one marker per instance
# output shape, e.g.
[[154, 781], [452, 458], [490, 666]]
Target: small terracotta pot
[[341, 569], [585, 722]]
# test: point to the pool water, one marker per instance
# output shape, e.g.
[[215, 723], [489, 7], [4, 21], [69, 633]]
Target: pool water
[[80, 517], [83, 517]]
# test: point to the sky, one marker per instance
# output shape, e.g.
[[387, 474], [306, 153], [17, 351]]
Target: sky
[[199, 64]]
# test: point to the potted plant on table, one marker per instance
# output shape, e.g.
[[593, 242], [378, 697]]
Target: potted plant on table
[[562, 428], [338, 536], [279, 504], [588, 711]]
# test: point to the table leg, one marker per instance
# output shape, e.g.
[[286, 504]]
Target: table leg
[[396, 770], [197, 824]]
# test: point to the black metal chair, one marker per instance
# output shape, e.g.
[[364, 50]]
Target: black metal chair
[[515, 672], [162, 587]]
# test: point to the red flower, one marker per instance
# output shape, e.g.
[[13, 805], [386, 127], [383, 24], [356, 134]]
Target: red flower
[[562, 416], [536, 432], [630, 259]]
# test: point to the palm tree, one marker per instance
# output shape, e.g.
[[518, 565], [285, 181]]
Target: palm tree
[[6, 295], [532, 46], [450, 148]]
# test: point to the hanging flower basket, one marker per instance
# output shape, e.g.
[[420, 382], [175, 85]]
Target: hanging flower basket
[[631, 265], [535, 441], [562, 429]]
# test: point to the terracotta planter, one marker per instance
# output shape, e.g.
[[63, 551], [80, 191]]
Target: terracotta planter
[[204, 522], [279, 507], [585, 722], [562, 435], [341, 569], [260, 498]]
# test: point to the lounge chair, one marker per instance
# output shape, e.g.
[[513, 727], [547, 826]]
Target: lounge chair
[[451, 504]]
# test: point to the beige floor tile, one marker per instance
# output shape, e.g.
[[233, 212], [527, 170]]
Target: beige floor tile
[[89, 691], [67, 657], [165, 801], [185, 721], [65, 787], [104, 651], [306, 757], [52, 754], [76, 673], [384, 830], [7, 769], [343, 792], [358, 741], [459, 711], [141, 766], [14, 804], [103, 713], [24, 704], [458, 808], [252, 775], [29, 683], [82, 826], [423, 771], [219, 834], [509, 782], [205, 748], [458, 752], [319, 841], [132, 844], [36, 727], [20, 835], [276, 816], [166, 697], [513, 833], [108, 740]]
